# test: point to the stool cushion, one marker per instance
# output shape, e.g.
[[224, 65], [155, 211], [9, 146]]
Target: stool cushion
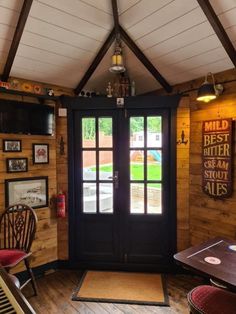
[[11, 257], [211, 300]]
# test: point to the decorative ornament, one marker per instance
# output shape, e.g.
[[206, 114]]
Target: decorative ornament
[[26, 87], [37, 89], [50, 92], [109, 90]]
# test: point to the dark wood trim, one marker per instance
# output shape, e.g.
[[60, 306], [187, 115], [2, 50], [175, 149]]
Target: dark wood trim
[[115, 16], [140, 55], [173, 175], [152, 101], [95, 62], [218, 28], [16, 38]]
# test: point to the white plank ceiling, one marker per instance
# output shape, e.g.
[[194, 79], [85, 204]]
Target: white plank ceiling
[[62, 37]]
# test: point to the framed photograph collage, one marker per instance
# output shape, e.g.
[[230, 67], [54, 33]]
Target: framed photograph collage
[[32, 191]]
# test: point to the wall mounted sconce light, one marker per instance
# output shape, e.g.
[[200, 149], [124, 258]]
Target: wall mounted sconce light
[[182, 140], [209, 91]]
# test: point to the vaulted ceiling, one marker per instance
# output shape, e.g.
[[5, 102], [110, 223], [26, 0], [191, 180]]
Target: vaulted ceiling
[[61, 38]]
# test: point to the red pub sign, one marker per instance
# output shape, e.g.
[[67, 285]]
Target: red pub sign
[[217, 158]]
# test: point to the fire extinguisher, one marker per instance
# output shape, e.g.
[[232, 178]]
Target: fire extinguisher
[[61, 205]]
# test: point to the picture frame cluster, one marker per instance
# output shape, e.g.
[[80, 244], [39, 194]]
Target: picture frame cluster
[[40, 155], [32, 191]]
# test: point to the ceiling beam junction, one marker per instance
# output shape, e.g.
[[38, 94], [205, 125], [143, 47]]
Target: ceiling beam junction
[[116, 33], [218, 28], [96, 61], [16, 39], [140, 55]]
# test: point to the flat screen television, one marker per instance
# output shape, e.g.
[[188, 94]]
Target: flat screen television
[[26, 118]]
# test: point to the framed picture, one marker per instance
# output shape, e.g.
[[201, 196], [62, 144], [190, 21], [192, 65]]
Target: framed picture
[[17, 164], [30, 191], [40, 153], [12, 145]]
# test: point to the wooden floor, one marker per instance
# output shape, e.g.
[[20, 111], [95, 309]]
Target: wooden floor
[[55, 296]]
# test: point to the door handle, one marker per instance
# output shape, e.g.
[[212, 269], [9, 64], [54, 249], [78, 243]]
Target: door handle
[[115, 179]]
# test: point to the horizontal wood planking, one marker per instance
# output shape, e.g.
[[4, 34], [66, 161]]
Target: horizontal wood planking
[[62, 184], [209, 217]]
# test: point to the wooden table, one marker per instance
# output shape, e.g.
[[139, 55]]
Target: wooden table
[[215, 259]]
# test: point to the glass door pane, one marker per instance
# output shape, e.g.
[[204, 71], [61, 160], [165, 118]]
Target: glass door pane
[[146, 155], [97, 164]]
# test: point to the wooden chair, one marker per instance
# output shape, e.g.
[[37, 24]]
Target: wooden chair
[[17, 229], [207, 299]]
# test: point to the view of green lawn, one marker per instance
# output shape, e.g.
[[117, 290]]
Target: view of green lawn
[[137, 172]]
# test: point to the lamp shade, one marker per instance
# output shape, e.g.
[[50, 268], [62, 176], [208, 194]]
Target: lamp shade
[[206, 92]]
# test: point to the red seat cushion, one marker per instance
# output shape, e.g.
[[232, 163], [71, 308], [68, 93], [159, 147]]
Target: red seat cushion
[[11, 257], [212, 300]]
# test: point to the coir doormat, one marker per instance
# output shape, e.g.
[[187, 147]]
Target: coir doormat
[[122, 287]]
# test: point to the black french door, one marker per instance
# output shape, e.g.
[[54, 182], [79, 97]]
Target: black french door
[[123, 215]]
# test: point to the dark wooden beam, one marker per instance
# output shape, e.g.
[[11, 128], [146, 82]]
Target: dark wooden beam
[[115, 16], [95, 62], [218, 28], [16, 39], [140, 55]]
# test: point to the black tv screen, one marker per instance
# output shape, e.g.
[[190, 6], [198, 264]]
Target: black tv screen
[[26, 118]]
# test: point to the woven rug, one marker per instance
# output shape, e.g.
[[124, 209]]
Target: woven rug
[[121, 287]]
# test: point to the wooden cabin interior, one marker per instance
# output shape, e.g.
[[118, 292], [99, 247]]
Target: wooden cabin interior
[[103, 136]]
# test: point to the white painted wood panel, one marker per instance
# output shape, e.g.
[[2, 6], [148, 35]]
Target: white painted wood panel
[[189, 51], [179, 41], [51, 58], [228, 18], [6, 32], [5, 45], [103, 5], [170, 13], [196, 61], [125, 5], [82, 11], [52, 46], [214, 67], [173, 28], [141, 11], [58, 33], [8, 16], [67, 21], [41, 77], [15, 5], [222, 5]]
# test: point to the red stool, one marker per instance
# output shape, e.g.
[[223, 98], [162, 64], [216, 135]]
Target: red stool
[[211, 300]]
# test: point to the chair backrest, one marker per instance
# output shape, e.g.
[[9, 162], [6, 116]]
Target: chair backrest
[[18, 227]]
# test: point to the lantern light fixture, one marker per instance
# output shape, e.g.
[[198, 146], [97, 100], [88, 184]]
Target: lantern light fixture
[[117, 59]]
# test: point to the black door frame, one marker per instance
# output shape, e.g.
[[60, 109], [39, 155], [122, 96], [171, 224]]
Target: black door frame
[[138, 102]]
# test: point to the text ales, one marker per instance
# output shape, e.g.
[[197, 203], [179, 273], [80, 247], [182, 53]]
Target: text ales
[[217, 158]]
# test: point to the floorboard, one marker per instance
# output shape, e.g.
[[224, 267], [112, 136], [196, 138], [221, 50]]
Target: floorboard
[[55, 292]]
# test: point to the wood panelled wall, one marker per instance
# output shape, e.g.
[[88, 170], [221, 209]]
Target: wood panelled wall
[[206, 217], [45, 245]]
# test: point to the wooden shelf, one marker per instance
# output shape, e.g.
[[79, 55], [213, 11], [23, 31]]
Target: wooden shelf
[[20, 93]]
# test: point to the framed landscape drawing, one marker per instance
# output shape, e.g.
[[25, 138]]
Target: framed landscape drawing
[[30, 191], [12, 145], [17, 164], [40, 153]]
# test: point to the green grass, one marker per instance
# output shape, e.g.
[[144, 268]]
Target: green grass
[[137, 172]]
